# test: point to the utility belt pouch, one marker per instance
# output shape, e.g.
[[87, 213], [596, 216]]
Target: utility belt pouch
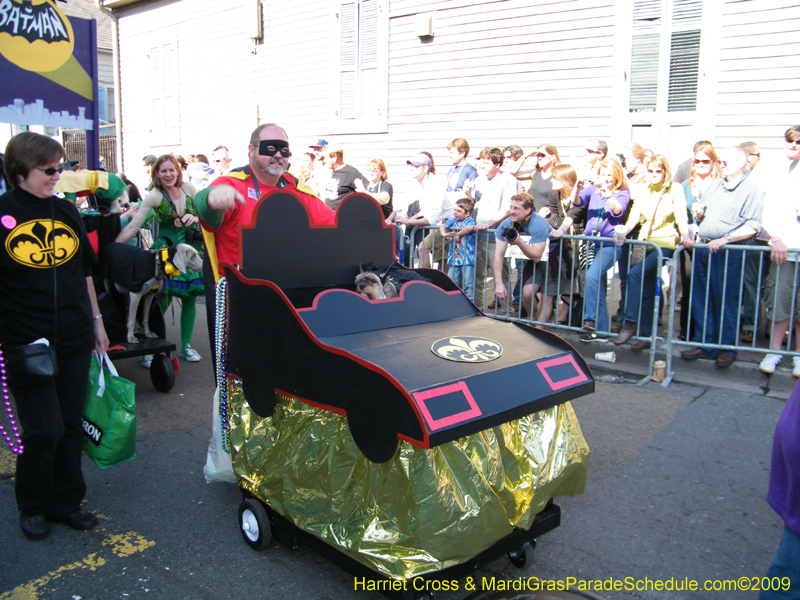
[[30, 365]]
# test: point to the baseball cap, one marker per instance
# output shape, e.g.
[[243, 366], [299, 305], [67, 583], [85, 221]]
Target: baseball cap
[[320, 144], [420, 159]]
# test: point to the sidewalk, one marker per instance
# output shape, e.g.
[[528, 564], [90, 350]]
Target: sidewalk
[[743, 374]]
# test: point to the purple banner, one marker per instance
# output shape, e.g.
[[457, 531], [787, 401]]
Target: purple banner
[[48, 66]]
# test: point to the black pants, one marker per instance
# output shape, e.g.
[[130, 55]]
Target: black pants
[[49, 479]]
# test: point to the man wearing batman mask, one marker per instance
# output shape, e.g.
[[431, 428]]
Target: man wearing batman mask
[[230, 199]]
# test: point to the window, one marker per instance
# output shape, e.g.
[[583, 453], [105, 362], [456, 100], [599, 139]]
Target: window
[[165, 124], [360, 98], [665, 31]]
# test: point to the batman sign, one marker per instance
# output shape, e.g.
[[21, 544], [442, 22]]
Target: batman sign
[[42, 243]]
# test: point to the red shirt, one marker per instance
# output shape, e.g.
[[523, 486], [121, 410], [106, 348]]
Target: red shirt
[[226, 236]]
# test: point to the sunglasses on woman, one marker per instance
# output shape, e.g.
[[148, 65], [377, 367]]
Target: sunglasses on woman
[[703, 161], [50, 171]]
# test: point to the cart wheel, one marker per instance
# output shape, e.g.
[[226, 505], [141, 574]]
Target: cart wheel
[[254, 524], [162, 373], [519, 558]]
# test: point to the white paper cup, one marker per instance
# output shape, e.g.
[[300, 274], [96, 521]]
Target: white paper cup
[[659, 370], [606, 356]]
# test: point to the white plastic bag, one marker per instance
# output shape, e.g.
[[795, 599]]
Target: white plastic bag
[[219, 466]]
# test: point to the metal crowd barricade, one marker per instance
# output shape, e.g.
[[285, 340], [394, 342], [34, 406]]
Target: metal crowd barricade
[[788, 269], [572, 291], [667, 343]]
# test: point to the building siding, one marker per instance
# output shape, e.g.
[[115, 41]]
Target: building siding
[[496, 73]]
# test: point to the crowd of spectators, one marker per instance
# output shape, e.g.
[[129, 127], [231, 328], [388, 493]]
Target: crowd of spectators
[[634, 195], [454, 221]]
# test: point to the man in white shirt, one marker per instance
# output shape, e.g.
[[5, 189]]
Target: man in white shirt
[[781, 219], [492, 194], [221, 160]]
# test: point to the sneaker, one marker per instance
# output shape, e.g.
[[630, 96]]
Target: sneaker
[[593, 337], [747, 336], [770, 363], [796, 366], [147, 360], [190, 354], [588, 325]]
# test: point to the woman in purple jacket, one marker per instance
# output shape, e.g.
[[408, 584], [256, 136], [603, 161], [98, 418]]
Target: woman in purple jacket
[[607, 205]]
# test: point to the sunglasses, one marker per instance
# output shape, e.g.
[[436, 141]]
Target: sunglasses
[[539, 155], [703, 161], [655, 171], [794, 143], [50, 171]]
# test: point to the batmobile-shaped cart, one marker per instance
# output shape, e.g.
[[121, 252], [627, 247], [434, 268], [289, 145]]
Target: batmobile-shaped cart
[[409, 440]]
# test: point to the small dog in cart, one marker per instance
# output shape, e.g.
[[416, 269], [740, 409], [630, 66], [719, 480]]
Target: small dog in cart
[[141, 273], [369, 285]]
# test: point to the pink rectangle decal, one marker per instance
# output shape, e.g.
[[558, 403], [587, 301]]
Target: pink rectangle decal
[[558, 385], [421, 397]]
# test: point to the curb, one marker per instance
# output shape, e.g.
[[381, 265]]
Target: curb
[[743, 374]]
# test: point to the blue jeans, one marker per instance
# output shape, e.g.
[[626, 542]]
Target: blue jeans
[[785, 564], [594, 301], [643, 299], [724, 280], [751, 310], [464, 277]]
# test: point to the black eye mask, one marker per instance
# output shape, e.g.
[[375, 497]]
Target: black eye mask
[[273, 147]]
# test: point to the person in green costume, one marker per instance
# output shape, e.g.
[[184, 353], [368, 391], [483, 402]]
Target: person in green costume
[[172, 201]]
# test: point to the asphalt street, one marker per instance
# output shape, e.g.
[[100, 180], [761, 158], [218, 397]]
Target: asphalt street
[[676, 489]]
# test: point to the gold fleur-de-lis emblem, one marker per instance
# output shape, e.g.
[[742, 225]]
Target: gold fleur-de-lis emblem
[[467, 349], [42, 243]]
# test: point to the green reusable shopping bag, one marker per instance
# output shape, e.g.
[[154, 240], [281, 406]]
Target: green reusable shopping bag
[[109, 416]]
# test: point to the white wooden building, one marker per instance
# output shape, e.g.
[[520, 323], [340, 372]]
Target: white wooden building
[[388, 78]]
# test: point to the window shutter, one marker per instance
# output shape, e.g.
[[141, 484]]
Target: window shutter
[[684, 68], [686, 11], [156, 93], [170, 86], [644, 72], [368, 59], [646, 14], [348, 44]]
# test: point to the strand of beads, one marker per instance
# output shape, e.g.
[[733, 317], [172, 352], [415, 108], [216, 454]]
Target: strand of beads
[[14, 444], [221, 330]]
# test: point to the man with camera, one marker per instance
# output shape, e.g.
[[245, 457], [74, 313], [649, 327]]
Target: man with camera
[[529, 232]]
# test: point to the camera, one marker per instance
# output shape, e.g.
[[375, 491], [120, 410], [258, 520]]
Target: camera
[[511, 233], [193, 234]]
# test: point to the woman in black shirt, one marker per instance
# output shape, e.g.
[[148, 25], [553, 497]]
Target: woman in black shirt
[[46, 263]]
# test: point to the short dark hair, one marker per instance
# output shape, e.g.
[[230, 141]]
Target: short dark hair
[[514, 150], [149, 160], [26, 151], [468, 204], [792, 134], [201, 158], [525, 198], [600, 146], [493, 154], [459, 144]]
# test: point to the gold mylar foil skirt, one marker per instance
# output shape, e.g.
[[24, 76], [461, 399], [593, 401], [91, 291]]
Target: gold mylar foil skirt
[[424, 510]]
